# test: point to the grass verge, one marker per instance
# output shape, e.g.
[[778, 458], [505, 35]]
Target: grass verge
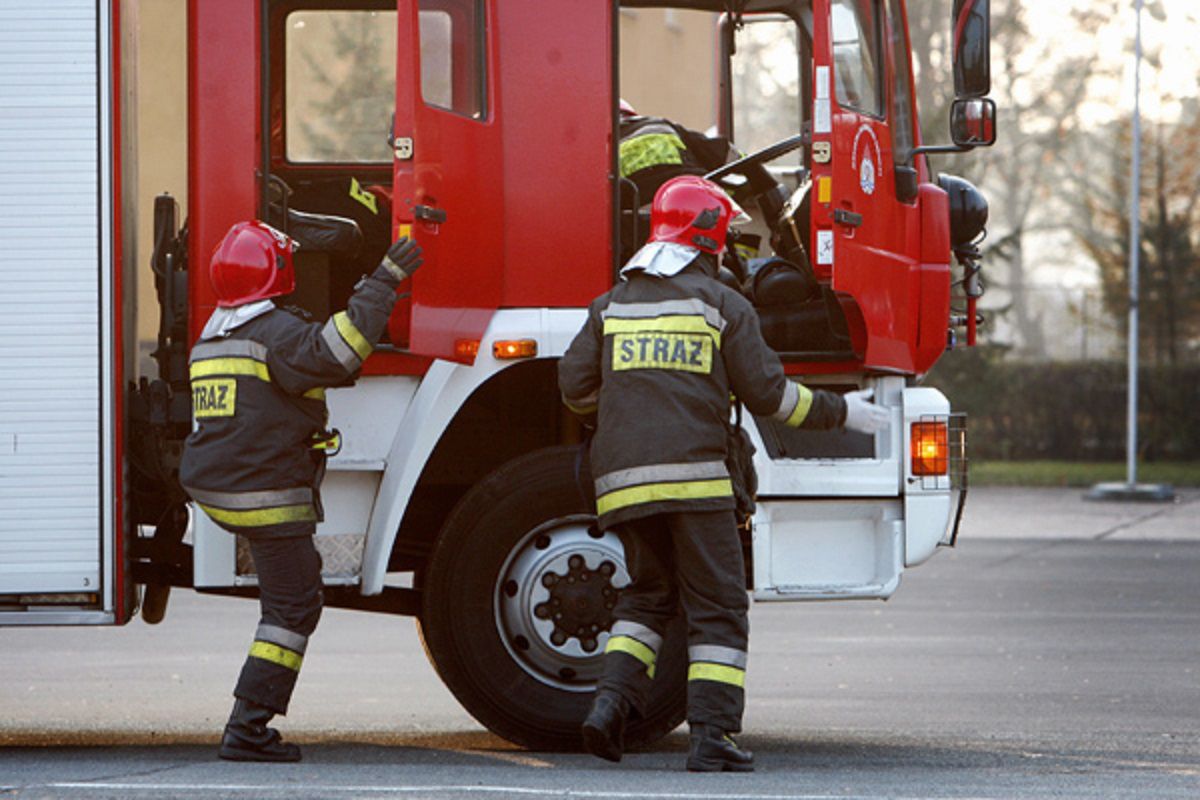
[[1079, 473]]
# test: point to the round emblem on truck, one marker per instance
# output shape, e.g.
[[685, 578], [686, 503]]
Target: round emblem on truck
[[866, 175]]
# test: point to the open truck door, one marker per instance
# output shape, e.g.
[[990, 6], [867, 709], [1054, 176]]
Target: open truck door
[[448, 172], [61, 490]]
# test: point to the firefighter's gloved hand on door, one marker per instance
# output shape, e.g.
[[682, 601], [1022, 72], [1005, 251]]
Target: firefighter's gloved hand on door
[[401, 261], [862, 415]]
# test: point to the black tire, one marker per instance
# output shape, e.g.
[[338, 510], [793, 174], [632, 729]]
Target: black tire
[[527, 519]]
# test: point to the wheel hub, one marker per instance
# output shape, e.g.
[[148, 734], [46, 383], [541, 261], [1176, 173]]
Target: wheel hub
[[581, 602], [555, 597]]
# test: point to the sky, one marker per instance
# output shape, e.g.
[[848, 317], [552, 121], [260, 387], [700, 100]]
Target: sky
[[1173, 39]]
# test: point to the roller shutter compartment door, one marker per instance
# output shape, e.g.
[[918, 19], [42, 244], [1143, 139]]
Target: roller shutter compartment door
[[55, 300]]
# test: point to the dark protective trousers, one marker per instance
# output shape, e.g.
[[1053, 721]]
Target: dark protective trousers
[[289, 583], [693, 559]]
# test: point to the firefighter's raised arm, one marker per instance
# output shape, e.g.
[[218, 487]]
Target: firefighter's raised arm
[[325, 355]]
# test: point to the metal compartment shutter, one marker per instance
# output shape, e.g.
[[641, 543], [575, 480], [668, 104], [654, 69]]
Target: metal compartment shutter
[[55, 297]]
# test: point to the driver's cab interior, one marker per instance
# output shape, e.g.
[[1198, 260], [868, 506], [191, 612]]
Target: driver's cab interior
[[332, 91]]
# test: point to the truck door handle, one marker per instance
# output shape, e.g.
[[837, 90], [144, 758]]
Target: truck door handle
[[429, 214], [848, 218]]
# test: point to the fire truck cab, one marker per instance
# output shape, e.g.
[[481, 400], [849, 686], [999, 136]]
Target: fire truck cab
[[488, 130]]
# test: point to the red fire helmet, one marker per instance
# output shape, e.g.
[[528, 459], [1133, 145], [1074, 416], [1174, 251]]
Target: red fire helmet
[[253, 262], [691, 211]]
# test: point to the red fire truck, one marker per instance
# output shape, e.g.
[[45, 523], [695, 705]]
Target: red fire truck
[[487, 130]]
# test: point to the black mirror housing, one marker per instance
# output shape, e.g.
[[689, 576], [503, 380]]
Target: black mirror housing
[[973, 122], [971, 28]]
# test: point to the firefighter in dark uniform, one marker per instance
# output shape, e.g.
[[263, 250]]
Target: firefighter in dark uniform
[[657, 360], [653, 150], [255, 459]]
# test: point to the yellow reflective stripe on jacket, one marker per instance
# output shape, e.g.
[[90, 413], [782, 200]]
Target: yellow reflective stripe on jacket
[[261, 517], [803, 405], [652, 492], [645, 150], [630, 646], [315, 394], [230, 366], [352, 335], [581, 410], [277, 655], [665, 324], [718, 673]]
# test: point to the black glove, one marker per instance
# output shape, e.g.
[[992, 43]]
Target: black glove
[[401, 261]]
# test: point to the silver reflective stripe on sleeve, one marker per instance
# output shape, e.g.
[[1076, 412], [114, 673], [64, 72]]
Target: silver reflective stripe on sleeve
[[660, 473], [274, 634], [342, 351], [716, 654], [791, 396], [583, 405], [237, 501], [635, 630], [222, 348]]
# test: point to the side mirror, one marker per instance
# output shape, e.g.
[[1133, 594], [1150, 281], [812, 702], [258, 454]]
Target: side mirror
[[973, 122], [970, 23]]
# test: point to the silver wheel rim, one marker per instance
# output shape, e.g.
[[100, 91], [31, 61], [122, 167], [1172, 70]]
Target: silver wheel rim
[[566, 549]]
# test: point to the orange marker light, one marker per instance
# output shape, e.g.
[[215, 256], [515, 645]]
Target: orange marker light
[[930, 448], [514, 348], [466, 348]]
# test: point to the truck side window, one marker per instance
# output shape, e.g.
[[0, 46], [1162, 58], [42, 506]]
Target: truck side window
[[766, 84], [454, 56], [902, 99], [340, 86], [856, 48]]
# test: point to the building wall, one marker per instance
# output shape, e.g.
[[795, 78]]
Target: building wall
[[154, 76], [669, 64]]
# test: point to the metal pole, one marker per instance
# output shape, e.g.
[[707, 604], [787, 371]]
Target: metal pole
[[1134, 254]]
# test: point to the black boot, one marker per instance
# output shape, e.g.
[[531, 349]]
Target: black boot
[[713, 750], [247, 737], [604, 728]]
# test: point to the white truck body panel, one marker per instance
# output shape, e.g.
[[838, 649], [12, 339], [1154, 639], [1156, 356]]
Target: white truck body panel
[[825, 528], [56, 310]]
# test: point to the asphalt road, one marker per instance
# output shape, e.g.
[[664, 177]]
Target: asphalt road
[[1054, 653]]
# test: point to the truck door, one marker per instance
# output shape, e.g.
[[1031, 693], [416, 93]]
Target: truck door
[[448, 175], [61, 557], [864, 233]]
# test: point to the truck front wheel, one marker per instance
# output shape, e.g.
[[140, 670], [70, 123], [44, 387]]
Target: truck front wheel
[[518, 599]]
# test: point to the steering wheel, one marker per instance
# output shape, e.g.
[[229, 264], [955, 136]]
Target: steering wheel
[[753, 168]]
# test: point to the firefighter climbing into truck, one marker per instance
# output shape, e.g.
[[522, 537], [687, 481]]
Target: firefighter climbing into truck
[[456, 494]]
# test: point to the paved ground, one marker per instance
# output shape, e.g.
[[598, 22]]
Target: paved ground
[[1055, 653]]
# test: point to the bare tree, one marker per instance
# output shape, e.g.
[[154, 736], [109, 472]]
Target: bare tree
[[1169, 255]]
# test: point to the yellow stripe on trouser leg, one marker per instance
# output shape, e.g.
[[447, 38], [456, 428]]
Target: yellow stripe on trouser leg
[[652, 492], [260, 517], [631, 646], [277, 655], [719, 673]]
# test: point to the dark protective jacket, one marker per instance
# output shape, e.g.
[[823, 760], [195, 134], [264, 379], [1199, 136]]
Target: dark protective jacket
[[657, 359], [254, 461], [653, 150]]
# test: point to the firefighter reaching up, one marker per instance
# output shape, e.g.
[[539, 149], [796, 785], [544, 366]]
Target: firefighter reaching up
[[255, 459], [656, 361]]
